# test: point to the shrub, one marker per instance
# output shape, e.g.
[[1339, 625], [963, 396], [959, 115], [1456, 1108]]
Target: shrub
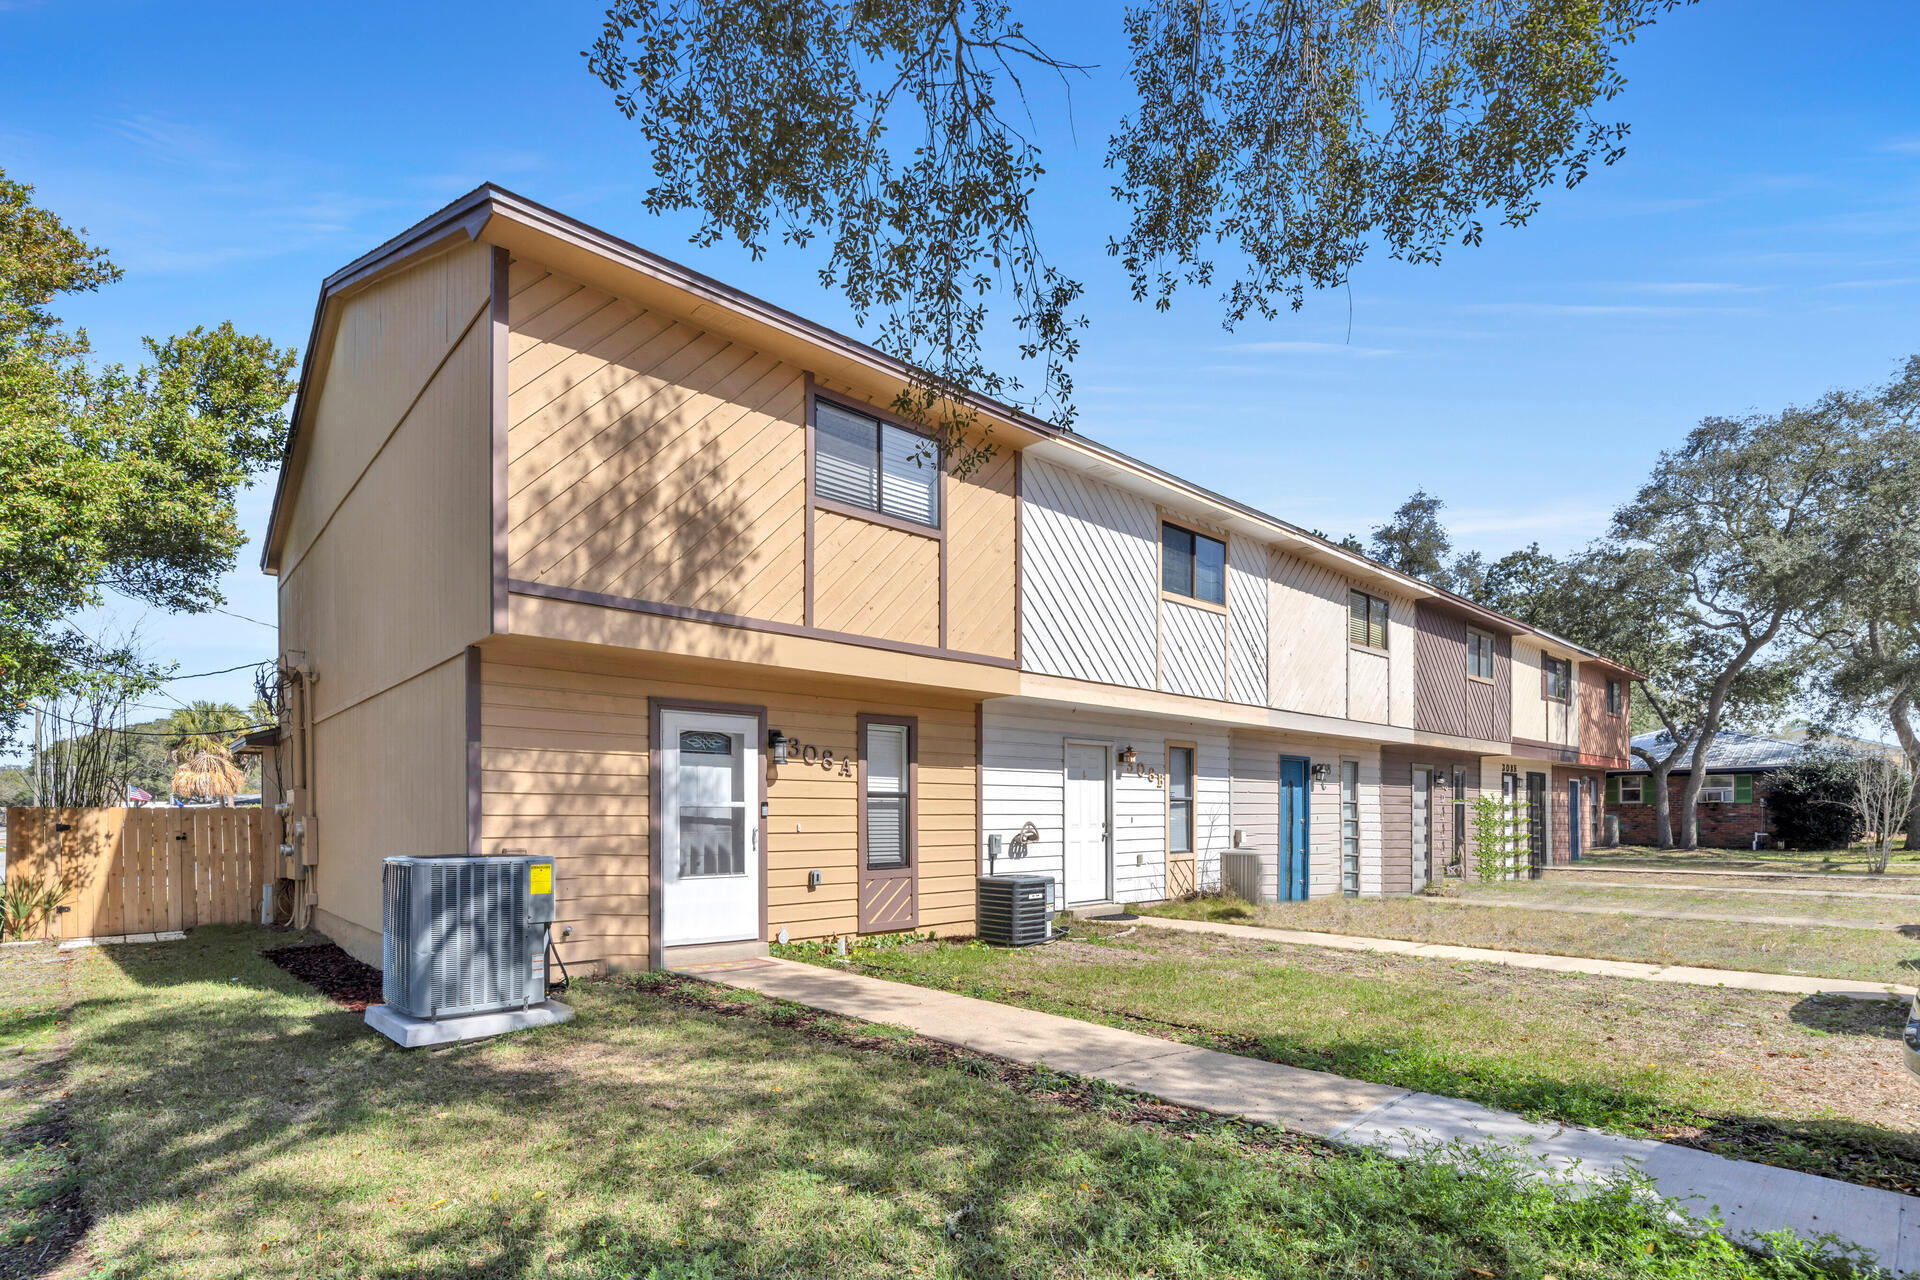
[[27, 902], [1811, 801]]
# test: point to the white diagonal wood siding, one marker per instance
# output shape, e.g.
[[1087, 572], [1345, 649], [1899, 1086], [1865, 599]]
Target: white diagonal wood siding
[[1248, 570], [1193, 651], [1307, 608], [1089, 583], [1023, 780], [1401, 643], [1367, 696]]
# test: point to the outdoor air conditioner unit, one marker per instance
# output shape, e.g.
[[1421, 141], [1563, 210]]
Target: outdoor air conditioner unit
[[1014, 911], [465, 935]]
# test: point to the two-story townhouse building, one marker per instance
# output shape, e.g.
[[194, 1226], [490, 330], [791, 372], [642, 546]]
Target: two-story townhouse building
[[583, 553]]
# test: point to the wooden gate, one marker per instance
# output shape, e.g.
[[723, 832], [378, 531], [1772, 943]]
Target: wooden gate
[[144, 870]]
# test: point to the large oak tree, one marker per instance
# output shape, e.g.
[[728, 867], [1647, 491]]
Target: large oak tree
[[1268, 149]]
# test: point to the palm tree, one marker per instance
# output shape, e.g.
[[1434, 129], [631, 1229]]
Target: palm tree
[[203, 767]]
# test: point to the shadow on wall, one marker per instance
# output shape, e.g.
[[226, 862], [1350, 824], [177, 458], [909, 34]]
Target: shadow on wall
[[671, 471]]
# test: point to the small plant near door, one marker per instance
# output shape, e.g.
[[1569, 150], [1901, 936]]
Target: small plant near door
[[27, 903], [1496, 838]]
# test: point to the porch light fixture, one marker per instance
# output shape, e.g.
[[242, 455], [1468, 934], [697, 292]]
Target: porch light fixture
[[1129, 756], [777, 746], [1320, 773]]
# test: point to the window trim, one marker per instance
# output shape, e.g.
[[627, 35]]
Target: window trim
[[816, 501], [910, 837], [1191, 597], [1386, 621], [1732, 789], [1193, 799], [1548, 662], [1491, 651], [1639, 785]]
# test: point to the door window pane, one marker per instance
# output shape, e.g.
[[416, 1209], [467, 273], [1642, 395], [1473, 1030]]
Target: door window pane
[[1180, 800], [713, 815], [1350, 827]]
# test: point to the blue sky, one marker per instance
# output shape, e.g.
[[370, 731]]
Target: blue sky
[[1759, 244]]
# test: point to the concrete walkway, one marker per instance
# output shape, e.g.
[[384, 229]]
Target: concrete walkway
[[1662, 913], [1899, 898], [1787, 983], [1748, 1198]]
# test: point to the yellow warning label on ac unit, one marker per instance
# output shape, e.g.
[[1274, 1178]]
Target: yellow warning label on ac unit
[[542, 877]]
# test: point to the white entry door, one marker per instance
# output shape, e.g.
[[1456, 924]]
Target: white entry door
[[1086, 825], [1422, 828], [709, 828]]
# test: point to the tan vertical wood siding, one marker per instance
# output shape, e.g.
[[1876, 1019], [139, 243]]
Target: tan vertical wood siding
[[649, 458], [565, 742], [872, 580], [1401, 660], [1529, 708], [1308, 637]]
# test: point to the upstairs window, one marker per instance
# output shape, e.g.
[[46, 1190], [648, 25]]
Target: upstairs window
[[1366, 620], [862, 462], [1479, 655], [1556, 678], [1615, 702], [1192, 564]]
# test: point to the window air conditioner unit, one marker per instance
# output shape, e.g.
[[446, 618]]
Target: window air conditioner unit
[[1716, 795], [465, 936]]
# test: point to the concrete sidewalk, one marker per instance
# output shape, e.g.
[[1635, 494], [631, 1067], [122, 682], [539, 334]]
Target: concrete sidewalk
[[1663, 913], [1748, 1198], [1785, 983]]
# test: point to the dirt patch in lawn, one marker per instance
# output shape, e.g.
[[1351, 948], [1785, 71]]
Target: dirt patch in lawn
[[336, 975]]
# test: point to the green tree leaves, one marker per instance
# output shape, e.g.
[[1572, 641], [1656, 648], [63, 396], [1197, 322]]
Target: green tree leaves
[[111, 479]]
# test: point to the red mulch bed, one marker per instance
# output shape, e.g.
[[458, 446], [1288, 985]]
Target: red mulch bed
[[337, 975]]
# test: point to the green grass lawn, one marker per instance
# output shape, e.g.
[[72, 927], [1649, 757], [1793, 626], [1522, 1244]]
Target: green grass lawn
[[228, 1122], [1851, 862], [1705, 899], [1812, 1084], [1870, 955]]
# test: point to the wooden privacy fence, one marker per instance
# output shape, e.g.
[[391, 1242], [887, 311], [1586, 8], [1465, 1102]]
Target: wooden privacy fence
[[145, 870]]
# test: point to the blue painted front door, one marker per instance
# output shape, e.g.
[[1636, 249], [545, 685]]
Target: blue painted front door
[[1293, 828]]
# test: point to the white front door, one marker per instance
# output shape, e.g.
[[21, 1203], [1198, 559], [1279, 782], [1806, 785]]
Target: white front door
[[1422, 828], [709, 828], [1086, 833]]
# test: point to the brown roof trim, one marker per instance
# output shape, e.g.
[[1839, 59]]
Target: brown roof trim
[[470, 213]]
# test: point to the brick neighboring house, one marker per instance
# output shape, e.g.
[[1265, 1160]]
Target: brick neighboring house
[[1733, 803]]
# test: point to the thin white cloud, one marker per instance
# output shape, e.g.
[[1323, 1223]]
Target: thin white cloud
[[1313, 349], [1594, 309], [1682, 288], [1909, 146], [1887, 282]]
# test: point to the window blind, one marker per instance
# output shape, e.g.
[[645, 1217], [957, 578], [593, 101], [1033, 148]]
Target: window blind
[[845, 457], [886, 796]]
